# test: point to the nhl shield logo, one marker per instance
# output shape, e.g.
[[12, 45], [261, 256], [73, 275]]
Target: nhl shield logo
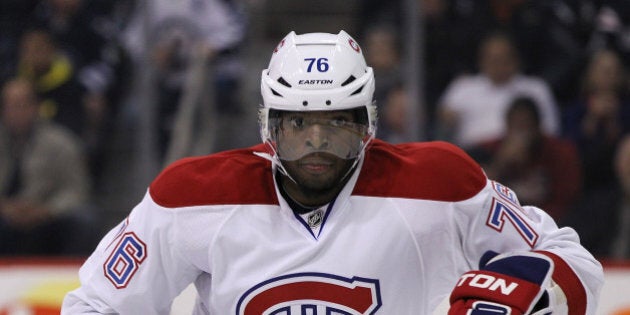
[[315, 218], [311, 293]]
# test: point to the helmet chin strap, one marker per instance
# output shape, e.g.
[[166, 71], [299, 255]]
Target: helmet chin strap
[[358, 158], [275, 161]]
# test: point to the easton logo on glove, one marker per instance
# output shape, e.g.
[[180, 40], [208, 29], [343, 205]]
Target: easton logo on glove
[[504, 284], [489, 281]]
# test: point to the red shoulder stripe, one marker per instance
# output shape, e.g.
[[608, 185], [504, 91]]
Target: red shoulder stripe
[[230, 177], [427, 170]]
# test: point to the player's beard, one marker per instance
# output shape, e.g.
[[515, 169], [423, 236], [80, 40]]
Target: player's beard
[[318, 177]]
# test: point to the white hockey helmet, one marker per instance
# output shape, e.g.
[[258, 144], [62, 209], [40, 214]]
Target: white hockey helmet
[[317, 72]]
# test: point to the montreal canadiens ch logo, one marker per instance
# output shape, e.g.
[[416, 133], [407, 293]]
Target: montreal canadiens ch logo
[[354, 45], [313, 294]]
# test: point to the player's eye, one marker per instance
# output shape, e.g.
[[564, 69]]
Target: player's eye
[[339, 122], [296, 122]]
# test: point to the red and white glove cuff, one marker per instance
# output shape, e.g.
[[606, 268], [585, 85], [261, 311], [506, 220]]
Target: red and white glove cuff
[[505, 284], [496, 287]]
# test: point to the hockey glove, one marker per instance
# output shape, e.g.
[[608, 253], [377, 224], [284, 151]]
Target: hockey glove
[[505, 284]]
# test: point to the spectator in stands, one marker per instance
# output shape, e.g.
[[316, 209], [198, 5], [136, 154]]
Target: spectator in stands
[[394, 125], [183, 36], [473, 107], [13, 19], [54, 77], [86, 32], [44, 184], [598, 117], [611, 28], [596, 122], [65, 99], [73, 26], [382, 52], [550, 36], [448, 49], [447, 44], [542, 169]]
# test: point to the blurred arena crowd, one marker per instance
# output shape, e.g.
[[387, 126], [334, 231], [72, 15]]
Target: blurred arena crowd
[[99, 95]]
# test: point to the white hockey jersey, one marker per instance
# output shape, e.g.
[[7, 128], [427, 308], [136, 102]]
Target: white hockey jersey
[[394, 242]]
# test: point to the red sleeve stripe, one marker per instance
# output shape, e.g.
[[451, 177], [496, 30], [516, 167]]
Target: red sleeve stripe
[[571, 285]]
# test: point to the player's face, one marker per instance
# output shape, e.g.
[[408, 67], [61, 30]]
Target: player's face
[[316, 174], [298, 134], [318, 148]]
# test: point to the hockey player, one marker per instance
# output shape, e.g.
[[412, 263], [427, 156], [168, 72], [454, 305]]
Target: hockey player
[[324, 219]]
